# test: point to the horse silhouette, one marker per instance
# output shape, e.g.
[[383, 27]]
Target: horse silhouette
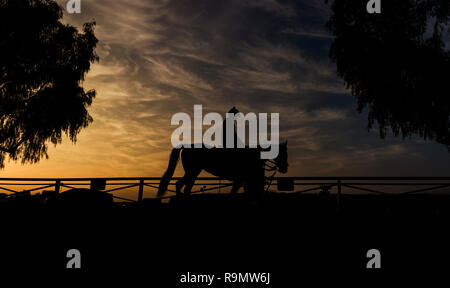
[[243, 166]]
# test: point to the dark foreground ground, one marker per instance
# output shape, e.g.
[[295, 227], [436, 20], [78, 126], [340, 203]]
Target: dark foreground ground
[[297, 239]]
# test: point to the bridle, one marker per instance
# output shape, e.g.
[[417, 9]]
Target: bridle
[[270, 165]]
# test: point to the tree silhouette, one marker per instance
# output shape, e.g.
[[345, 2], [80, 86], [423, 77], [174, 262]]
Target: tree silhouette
[[42, 64], [396, 64]]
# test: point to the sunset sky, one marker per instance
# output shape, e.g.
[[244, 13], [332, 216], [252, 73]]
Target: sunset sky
[[162, 57]]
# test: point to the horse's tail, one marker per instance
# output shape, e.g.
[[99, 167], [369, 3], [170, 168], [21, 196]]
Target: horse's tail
[[174, 156]]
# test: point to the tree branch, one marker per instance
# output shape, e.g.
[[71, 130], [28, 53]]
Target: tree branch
[[6, 150], [12, 149]]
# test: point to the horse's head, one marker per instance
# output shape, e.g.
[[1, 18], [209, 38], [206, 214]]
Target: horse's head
[[281, 160]]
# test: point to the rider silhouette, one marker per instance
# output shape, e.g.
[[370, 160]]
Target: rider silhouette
[[233, 111]]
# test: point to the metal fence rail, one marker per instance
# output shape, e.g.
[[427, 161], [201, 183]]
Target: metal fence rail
[[147, 186]]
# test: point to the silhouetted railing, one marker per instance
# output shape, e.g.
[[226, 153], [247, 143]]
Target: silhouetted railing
[[147, 186]]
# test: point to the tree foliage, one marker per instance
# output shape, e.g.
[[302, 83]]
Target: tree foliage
[[42, 65], [396, 63]]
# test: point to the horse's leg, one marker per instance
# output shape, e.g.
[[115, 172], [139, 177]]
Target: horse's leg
[[185, 156], [189, 179], [236, 186], [179, 185]]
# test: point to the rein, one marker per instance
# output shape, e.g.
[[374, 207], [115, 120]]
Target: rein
[[273, 167]]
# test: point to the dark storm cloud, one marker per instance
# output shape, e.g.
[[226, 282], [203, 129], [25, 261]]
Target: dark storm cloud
[[162, 57]]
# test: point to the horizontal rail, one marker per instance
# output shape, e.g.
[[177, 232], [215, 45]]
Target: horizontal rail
[[208, 183], [344, 178]]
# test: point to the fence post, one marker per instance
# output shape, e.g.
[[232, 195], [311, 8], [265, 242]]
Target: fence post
[[141, 190], [338, 196], [57, 186]]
